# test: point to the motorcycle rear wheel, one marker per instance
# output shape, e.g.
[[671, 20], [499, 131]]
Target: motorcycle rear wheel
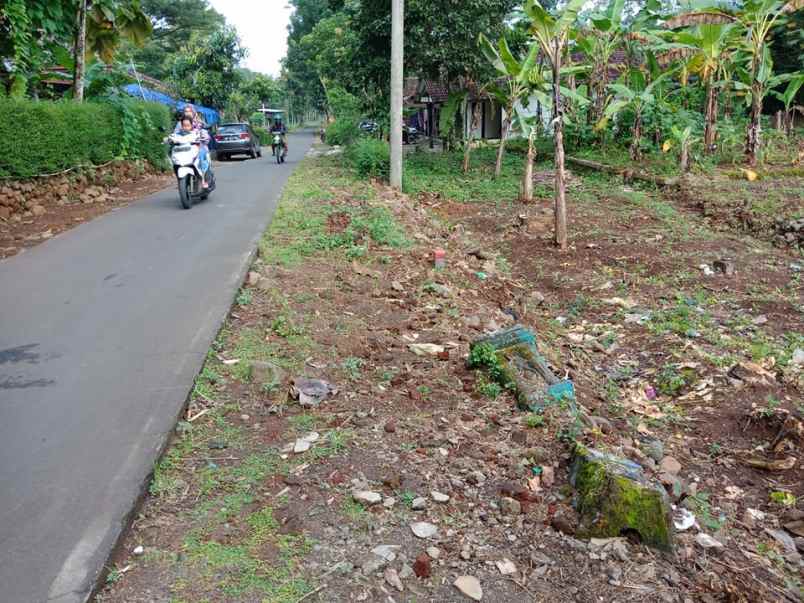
[[185, 195]]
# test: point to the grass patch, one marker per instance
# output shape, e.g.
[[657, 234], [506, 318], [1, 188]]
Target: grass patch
[[442, 173]]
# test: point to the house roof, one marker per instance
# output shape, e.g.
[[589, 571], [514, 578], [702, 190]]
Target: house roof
[[415, 88]]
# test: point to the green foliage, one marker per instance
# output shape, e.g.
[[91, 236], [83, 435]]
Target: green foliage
[[206, 70], [371, 157], [342, 131], [44, 137], [264, 135]]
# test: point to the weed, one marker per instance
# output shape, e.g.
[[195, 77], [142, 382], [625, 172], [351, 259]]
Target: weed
[[243, 297], [353, 510], [769, 410], [699, 504], [302, 422], [283, 326], [353, 367], [534, 420], [670, 380], [784, 498], [407, 497], [489, 389], [114, 576]]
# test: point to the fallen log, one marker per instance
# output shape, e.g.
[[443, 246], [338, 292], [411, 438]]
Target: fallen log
[[627, 174]]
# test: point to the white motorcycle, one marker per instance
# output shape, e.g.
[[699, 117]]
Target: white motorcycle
[[185, 154]]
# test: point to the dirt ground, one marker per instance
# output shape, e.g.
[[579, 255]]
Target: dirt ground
[[691, 367]]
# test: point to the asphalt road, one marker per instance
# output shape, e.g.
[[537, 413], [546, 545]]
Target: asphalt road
[[102, 331]]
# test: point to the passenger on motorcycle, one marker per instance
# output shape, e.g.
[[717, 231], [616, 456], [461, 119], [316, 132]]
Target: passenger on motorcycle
[[196, 123], [279, 128]]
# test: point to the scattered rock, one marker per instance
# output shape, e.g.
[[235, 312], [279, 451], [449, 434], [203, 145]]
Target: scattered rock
[[670, 465], [469, 586], [264, 372], [724, 266], [434, 552], [38, 210], [706, 542], [422, 567], [426, 349], [509, 506], [422, 529], [389, 502], [305, 443], [418, 504], [367, 497], [311, 392], [506, 567], [561, 523], [138, 550], [798, 357], [654, 449], [390, 426], [392, 578], [439, 497], [548, 476], [253, 278]]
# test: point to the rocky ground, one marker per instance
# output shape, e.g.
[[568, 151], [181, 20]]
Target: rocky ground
[[33, 211], [337, 448]]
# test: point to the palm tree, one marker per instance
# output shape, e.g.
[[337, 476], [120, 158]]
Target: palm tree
[[550, 33]]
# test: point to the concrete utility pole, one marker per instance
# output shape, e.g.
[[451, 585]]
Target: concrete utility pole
[[397, 58]]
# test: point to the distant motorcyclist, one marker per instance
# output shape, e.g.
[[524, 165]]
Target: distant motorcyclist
[[279, 128]]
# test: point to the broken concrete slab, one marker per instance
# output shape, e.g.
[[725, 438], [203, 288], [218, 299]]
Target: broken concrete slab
[[615, 498]]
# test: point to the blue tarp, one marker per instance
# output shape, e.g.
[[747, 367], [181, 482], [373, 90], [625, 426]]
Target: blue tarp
[[210, 116]]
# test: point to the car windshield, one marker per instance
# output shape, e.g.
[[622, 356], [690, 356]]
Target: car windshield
[[232, 129]]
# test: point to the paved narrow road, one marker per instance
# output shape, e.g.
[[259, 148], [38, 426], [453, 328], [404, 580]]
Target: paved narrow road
[[102, 331]]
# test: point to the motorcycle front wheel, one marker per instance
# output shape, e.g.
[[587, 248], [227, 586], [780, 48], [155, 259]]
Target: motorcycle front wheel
[[185, 192]]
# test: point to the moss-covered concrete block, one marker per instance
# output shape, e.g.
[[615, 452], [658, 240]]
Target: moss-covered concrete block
[[614, 498]]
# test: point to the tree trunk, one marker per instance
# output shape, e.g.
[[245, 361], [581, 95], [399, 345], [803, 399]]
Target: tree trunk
[[779, 120], [710, 118], [467, 149], [501, 149], [752, 135], [636, 152], [527, 174], [80, 51], [685, 157], [789, 116], [558, 142]]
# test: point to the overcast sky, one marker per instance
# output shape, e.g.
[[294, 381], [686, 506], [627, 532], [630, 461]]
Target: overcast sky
[[262, 25]]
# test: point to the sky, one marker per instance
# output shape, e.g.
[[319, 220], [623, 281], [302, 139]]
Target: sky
[[262, 25]]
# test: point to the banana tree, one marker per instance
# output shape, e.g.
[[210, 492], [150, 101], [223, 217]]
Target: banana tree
[[709, 47], [551, 33], [512, 87], [757, 18], [100, 27], [684, 140], [787, 97], [603, 35], [637, 95]]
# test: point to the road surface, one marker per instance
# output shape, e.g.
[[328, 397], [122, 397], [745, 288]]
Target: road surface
[[102, 331]]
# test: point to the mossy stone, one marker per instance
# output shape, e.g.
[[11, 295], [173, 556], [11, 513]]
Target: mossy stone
[[614, 498]]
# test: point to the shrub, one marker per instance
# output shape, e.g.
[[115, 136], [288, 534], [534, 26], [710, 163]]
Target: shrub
[[342, 131], [371, 157], [263, 134], [42, 137]]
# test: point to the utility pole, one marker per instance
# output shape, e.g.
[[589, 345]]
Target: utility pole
[[397, 58]]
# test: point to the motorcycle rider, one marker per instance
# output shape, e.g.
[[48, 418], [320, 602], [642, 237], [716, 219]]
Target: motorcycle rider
[[279, 128], [190, 114]]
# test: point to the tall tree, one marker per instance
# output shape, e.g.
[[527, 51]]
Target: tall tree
[[206, 69], [173, 22]]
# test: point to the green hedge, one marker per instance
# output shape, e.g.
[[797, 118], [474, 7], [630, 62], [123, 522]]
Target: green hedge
[[42, 137], [342, 131]]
